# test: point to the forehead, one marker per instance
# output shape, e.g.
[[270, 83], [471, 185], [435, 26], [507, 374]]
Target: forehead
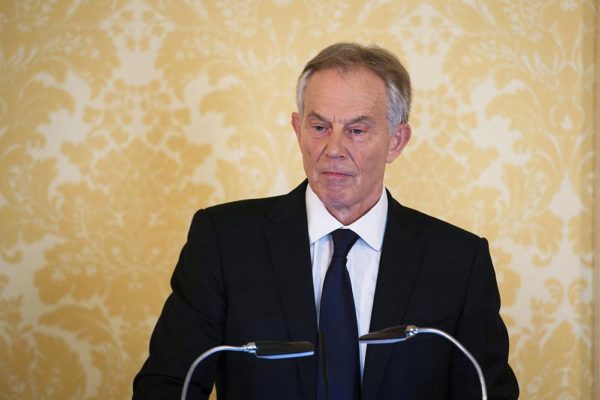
[[357, 90]]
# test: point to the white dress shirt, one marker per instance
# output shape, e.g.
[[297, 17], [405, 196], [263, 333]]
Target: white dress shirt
[[363, 258]]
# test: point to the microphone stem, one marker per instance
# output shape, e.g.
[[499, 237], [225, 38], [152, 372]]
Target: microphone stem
[[464, 350], [247, 348]]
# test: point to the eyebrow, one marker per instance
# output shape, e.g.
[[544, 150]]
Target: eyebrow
[[360, 118]]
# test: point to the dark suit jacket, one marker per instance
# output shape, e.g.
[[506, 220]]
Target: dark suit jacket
[[245, 275]]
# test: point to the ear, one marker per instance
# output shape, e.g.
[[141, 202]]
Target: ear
[[400, 138], [296, 122]]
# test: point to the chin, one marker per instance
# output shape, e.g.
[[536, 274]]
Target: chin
[[336, 200], [333, 195]]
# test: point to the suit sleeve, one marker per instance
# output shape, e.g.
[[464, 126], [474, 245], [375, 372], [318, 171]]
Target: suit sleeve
[[191, 321], [482, 331]]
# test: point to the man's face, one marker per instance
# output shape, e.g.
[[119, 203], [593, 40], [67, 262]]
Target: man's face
[[345, 140]]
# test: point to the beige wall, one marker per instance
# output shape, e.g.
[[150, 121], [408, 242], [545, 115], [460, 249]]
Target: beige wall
[[118, 119]]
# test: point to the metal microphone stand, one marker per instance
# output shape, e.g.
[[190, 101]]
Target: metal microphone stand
[[262, 349], [404, 332]]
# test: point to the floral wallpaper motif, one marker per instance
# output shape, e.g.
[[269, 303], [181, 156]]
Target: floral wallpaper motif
[[120, 118]]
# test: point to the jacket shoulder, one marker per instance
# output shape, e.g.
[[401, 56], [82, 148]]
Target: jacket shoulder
[[260, 209], [431, 228], [248, 211]]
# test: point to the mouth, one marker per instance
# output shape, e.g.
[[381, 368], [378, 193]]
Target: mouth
[[336, 174]]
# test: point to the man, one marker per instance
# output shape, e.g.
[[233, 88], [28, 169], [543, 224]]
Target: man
[[260, 269]]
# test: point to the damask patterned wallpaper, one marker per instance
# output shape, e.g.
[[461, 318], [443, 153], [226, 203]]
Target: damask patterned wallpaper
[[118, 119]]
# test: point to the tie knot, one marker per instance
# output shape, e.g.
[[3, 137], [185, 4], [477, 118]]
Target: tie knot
[[343, 240]]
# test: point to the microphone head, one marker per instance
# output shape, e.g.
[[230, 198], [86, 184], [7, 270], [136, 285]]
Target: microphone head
[[275, 349], [393, 334]]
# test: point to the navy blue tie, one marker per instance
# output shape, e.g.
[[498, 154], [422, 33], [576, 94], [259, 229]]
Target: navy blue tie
[[338, 363]]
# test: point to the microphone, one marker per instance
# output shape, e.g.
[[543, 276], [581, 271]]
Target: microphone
[[274, 350], [401, 333], [271, 350]]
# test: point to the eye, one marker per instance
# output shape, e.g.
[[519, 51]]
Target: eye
[[356, 131], [318, 128]]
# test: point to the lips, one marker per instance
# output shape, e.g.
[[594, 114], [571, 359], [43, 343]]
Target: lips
[[335, 173], [336, 177]]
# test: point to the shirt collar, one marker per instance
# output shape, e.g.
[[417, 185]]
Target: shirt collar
[[370, 227]]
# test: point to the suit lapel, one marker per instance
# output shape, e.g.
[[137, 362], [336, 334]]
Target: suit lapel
[[287, 236], [398, 269]]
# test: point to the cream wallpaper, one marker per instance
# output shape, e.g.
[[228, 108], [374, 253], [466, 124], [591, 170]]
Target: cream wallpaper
[[118, 119]]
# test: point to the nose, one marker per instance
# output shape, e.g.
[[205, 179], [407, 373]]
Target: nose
[[335, 144]]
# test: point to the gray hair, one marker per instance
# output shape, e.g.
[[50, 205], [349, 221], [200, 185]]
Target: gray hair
[[348, 56]]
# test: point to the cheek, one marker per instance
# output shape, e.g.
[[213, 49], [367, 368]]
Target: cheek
[[373, 165], [310, 150], [307, 156]]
